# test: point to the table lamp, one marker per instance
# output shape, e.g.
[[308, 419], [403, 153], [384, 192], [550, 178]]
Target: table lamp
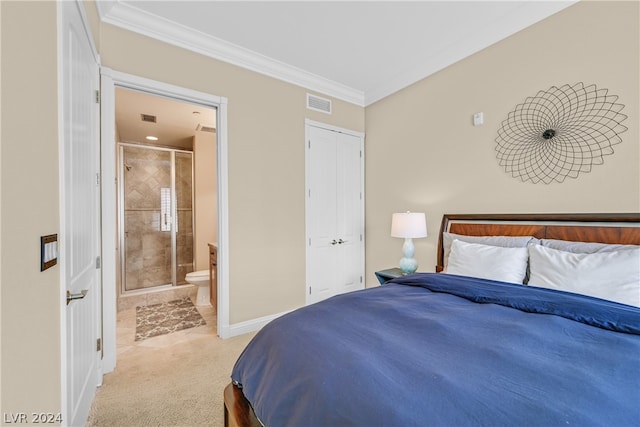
[[409, 225]]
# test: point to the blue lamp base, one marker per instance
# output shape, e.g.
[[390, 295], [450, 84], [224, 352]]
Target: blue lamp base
[[408, 264]]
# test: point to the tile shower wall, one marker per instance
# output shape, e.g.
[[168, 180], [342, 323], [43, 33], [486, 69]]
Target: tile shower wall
[[147, 235]]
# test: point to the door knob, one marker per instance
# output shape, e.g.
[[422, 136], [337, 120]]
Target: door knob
[[333, 242], [71, 297], [341, 241]]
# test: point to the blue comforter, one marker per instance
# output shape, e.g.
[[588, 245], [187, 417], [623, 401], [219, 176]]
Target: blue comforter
[[442, 350]]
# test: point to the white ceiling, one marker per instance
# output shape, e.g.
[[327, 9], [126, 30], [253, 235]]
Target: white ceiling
[[176, 123], [357, 51]]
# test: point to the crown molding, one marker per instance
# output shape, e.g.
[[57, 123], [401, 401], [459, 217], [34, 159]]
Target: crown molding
[[128, 17], [136, 20]]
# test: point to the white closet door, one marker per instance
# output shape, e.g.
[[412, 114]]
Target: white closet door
[[334, 213], [348, 213]]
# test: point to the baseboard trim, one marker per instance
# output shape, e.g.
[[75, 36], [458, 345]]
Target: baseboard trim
[[247, 326]]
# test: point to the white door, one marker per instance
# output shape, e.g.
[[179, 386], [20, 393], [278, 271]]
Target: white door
[[349, 218], [80, 220], [334, 212]]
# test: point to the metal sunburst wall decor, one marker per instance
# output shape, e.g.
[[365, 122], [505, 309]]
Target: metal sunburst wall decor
[[559, 133]]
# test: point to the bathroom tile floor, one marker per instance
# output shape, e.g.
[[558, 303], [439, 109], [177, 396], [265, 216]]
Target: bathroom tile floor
[[126, 331]]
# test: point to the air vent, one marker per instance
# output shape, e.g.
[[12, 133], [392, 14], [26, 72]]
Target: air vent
[[205, 128], [148, 118], [318, 104]]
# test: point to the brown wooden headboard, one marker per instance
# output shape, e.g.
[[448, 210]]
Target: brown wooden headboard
[[623, 228]]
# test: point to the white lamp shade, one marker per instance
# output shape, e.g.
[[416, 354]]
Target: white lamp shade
[[409, 225]]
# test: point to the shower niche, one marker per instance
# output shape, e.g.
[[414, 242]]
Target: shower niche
[[155, 216]]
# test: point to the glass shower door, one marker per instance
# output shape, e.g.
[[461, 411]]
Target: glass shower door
[[146, 207], [184, 214]]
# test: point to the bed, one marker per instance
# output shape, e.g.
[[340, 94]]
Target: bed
[[528, 320]]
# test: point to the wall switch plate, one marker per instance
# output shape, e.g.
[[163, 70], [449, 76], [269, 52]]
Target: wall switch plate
[[48, 251], [478, 119]]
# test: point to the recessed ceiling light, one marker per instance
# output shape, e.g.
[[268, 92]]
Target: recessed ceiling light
[[152, 138]]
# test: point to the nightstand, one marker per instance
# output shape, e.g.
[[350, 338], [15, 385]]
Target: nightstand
[[390, 273]]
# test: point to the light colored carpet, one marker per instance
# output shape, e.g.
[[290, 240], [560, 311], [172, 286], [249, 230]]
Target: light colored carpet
[[177, 385]]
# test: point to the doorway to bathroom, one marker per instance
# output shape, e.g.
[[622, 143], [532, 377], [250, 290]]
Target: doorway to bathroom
[[210, 165]]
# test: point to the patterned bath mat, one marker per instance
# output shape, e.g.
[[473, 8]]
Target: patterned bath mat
[[166, 317]]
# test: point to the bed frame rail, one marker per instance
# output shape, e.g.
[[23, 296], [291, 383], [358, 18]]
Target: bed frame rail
[[237, 410]]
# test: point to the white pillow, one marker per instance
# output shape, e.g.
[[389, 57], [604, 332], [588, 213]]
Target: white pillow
[[487, 262], [502, 241], [584, 247], [614, 276]]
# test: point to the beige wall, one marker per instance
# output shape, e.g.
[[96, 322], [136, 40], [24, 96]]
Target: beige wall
[[266, 164], [29, 199], [206, 193], [424, 154]]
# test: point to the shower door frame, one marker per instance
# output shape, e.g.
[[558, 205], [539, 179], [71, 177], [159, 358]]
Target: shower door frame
[[174, 215]]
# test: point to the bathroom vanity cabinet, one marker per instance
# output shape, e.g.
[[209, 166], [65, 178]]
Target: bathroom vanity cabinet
[[213, 275]]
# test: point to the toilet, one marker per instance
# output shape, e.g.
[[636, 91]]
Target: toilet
[[200, 278]]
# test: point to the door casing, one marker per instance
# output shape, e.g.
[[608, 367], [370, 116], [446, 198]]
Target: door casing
[[110, 79]]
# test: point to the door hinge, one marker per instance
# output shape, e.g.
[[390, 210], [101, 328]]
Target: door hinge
[[309, 144], [97, 97], [360, 279], [99, 344], [309, 290], [97, 179], [98, 262]]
